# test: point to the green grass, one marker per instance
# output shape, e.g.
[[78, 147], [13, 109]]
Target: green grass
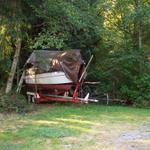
[[59, 126]]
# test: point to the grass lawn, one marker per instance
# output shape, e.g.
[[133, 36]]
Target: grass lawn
[[76, 127]]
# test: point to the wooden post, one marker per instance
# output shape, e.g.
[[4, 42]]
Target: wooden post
[[14, 66], [20, 82]]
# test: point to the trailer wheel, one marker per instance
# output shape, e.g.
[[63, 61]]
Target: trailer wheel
[[31, 98]]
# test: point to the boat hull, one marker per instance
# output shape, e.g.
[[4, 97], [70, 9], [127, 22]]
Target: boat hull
[[52, 78], [53, 87]]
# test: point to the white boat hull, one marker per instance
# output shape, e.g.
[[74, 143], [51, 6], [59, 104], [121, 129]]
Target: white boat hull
[[48, 78]]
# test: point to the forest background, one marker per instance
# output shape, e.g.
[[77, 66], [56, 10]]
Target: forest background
[[116, 32]]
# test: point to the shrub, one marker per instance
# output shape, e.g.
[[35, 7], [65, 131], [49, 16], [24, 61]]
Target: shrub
[[12, 102], [125, 75], [138, 92]]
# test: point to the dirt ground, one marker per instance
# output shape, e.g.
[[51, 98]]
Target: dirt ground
[[126, 137]]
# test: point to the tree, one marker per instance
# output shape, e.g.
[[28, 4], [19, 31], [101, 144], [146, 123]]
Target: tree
[[11, 28], [124, 58], [67, 24]]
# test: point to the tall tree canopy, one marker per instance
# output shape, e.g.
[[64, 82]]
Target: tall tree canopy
[[125, 65], [67, 23]]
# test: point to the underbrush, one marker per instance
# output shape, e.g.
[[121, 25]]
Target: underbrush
[[13, 102]]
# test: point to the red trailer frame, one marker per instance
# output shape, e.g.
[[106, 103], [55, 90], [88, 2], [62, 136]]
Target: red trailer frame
[[39, 97]]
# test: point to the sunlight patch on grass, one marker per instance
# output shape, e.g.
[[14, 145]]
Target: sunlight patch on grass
[[72, 120], [39, 122]]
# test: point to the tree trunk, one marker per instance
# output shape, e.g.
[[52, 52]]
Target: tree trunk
[[14, 66], [140, 35], [137, 37]]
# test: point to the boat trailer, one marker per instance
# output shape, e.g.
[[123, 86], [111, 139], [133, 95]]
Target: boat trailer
[[69, 92], [38, 96]]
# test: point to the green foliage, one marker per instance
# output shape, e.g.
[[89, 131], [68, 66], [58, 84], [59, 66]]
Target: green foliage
[[142, 88], [126, 75], [122, 60], [13, 24], [45, 39], [67, 24]]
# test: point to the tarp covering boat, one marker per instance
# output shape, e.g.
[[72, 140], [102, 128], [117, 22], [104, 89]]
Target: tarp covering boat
[[42, 61]]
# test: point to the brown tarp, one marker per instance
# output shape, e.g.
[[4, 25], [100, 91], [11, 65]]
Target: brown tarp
[[70, 62]]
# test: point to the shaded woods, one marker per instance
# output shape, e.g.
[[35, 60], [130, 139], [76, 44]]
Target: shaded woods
[[117, 33]]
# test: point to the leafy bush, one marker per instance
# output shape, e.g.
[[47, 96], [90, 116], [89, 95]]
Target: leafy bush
[[142, 88], [138, 92], [12, 102], [125, 75]]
